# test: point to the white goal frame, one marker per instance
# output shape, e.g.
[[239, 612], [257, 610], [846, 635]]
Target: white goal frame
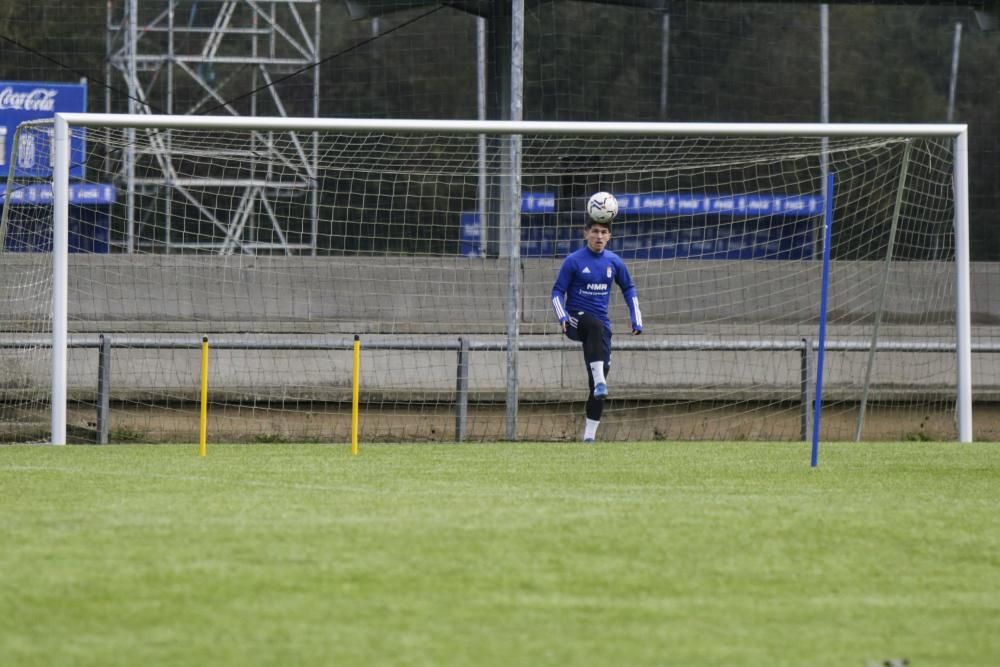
[[63, 122]]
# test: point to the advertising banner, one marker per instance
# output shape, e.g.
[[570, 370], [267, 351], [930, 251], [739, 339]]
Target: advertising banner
[[33, 100]]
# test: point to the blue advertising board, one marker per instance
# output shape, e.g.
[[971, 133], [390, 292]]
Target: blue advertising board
[[736, 205], [538, 202], [40, 194], [34, 100], [673, 225], [88, 217]]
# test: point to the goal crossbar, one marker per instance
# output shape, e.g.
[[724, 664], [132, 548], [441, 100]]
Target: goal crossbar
[[511, 127]]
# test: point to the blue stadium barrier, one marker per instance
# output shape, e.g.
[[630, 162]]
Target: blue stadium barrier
[[668, 226], [88, 218]]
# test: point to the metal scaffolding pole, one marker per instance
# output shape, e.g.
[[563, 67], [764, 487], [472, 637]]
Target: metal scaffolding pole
[[217, 56]]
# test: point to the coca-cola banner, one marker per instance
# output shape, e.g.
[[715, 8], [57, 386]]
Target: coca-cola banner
[[32, 100]]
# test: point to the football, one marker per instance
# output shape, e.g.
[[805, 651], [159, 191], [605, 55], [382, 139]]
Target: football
[[602, 207]]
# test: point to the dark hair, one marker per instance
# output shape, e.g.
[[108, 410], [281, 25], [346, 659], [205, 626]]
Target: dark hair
[[591, 222]]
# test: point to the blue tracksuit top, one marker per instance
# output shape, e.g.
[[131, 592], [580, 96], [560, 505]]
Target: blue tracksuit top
[[585, 280]]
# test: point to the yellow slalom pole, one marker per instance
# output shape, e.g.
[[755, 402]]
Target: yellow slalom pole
[[354, 395], [203, 448]]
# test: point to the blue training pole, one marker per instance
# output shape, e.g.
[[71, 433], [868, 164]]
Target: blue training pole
[[824, 300]]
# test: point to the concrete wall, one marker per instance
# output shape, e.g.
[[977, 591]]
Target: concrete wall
[[404, 298], [454, 294]]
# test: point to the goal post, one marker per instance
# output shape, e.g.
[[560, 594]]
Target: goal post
[[61, 149], [963, 290], [709, 360]]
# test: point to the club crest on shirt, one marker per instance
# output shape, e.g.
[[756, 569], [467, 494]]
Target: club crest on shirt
[[609, 272]]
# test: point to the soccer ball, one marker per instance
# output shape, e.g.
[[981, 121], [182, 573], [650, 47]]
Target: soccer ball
[[602, 207]]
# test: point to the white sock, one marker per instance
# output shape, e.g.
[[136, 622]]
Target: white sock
[[597, 370], [590, 430]]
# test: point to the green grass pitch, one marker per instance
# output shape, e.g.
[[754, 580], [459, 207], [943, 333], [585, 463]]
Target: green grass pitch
[[502, 554]]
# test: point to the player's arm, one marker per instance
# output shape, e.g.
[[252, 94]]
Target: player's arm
[[559, 290], [627, 285]]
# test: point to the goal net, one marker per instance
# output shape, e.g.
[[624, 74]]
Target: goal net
[[26, 306], [438, 243]]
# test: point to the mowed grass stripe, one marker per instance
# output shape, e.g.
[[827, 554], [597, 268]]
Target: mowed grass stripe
[[500, 554]]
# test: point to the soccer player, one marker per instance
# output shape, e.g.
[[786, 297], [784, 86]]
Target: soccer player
[[585, 281]]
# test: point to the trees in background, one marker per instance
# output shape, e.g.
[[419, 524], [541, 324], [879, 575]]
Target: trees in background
[[585, 61]]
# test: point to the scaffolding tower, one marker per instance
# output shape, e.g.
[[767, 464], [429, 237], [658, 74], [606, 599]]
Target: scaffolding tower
[[216, 57]]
